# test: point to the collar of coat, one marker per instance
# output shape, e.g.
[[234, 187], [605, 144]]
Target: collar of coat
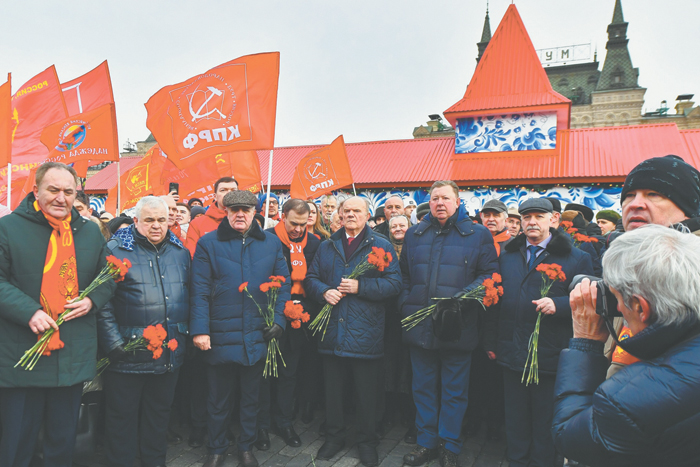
[[26, 209], [369, 234], [560, 244], [226, 233], [459, 220], [656, 339], [127, 240]]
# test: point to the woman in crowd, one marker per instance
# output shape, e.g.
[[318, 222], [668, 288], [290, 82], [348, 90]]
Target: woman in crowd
[[315, 226]]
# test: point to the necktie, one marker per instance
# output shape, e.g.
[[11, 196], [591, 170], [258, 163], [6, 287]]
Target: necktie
[[533, 249], [350, 239]]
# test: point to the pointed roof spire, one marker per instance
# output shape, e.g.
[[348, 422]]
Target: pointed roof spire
[[509, 74], [486, 33], [617, 14]]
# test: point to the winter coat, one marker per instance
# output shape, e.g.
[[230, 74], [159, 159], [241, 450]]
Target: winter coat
[[154, 291], [24, 240], [440, 262], [515, 314], [202, 226], [647, 414], [225, 259], [356, 326], [293, 339]]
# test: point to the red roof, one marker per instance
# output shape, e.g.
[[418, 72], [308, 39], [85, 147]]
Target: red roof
[[582, 156], [106, 178], [509, 74]]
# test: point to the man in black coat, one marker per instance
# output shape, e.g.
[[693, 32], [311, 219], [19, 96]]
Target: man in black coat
[[277, 395], [140, 387], [529, 408]]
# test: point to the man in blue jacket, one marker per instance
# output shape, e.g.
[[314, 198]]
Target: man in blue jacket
[[140, 388], [226, 323], [529, 407], [648, 413], [444, 256], [354, 340]]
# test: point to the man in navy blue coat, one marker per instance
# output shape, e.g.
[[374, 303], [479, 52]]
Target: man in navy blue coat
[[529, 407], [354, 340], [226, 324], [444, 256]]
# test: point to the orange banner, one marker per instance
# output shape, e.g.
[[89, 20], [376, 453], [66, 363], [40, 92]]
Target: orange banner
[[197, 181], [88, 136], [6, 122], [37, 104], [89, 91], [322, 171], [142, 180], [229, 108]]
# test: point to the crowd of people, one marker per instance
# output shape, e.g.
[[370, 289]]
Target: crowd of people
[[617, 353]]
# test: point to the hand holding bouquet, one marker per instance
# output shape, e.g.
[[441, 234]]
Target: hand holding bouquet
[[271, 289], [114, 269], [551, 273], [486, 294], [378, 259], [153, 339]]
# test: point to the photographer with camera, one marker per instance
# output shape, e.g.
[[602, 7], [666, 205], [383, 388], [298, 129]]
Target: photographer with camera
[[649, 412]]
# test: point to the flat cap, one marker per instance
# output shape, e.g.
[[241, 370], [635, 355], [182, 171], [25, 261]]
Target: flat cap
[[513, 212], [240, 198], [535, 204], [495, 205], [556, 204]]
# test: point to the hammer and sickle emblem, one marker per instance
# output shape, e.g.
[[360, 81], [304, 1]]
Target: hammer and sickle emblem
[[198, 115]]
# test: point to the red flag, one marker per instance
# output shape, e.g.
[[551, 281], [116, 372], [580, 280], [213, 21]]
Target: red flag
[[89, 91], [37, 104], [141, 180], [88, 136], [6, 122], [197, 180], [229, 108], [322, 171]]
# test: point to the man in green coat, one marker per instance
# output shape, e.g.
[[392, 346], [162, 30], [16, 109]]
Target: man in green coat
[[46, 234]]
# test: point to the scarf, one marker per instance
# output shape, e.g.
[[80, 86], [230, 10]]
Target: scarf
[[500, 237], [59, 284], [297, 258]]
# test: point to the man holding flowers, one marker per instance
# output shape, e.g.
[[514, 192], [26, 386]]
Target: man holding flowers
[[48, 253], [529, 407], [140, 385], [227, 325], [445, 256], [352, 336], [277, 394]]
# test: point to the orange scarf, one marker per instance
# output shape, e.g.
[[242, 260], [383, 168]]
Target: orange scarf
[[296, 255], [620, 355], [501, 237], [59, 283]]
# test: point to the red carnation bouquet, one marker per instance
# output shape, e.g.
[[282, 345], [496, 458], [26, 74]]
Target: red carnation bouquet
[[114, 269], [294, 312], [551, 273], [486, 294], [153, 339], [577, 237], [271, 289], [377, 259]]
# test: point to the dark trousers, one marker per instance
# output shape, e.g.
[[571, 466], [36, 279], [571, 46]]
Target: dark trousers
[[529, 411], [22, 413], [138, 412], [192, 399], [310, 371], [277, 394], [222, 379], [364, 375], [486, 402], [440, 391]]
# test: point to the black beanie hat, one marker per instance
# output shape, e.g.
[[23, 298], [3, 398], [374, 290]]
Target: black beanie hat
[[672, 177]]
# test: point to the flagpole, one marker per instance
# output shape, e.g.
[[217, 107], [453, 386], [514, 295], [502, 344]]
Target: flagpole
[[9, 186], [119, 187], [269, 182], [353, 188]]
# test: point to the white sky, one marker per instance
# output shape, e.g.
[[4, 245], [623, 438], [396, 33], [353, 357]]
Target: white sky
[[370, 70]]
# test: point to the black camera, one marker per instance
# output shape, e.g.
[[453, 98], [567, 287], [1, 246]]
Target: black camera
[[606, 302]]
